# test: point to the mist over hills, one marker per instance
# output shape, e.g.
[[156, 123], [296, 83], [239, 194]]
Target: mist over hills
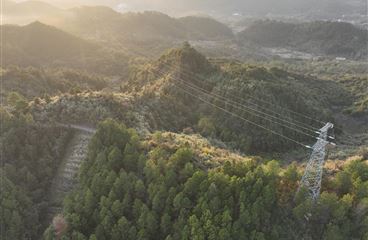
[[38, 44], [225, 7], [29, 11], [155, 30], [105, 24], [31, 8], [146, 25]]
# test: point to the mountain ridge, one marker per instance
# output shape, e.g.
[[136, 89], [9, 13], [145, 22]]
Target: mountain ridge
[[337, 39]]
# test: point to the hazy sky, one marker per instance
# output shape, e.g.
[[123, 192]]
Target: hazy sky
[[112, 3], [216, 6]]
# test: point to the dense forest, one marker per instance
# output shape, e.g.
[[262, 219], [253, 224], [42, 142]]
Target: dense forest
[[30, 154], [34, 82], [131, 190]]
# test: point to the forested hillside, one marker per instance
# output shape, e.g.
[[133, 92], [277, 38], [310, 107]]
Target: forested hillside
[[30, 154], [156, 97], [163, 87], [349, 75], [193, 132], [173, 186], [34, 82], [321, 38], [134, 190]]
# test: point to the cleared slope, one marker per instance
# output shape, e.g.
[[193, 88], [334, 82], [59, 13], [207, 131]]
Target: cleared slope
[[66, 177]]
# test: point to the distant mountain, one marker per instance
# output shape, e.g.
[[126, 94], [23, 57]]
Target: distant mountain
[[205, 28], [29, 11], [103, 23], [27, 8], [38, 44], [41, 43], [322, 38], [324, 8]]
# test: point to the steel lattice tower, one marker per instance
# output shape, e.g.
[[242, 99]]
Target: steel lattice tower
[[312, 177]]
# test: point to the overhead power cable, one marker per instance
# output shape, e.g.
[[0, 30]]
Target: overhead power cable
[[295, 122], [241, 107], [234, 114], [233, 102], [240, 117]]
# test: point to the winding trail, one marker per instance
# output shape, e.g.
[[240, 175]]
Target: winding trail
[[66, 177]]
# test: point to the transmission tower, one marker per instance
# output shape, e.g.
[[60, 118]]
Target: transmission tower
[[312, 177]]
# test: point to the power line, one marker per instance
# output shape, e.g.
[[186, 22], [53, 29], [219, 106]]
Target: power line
[[256, 99], [236, 115], [248, 108], [220, 98], [292, 123], [242, 118], [297, 113], [237, 104], [313, 175]]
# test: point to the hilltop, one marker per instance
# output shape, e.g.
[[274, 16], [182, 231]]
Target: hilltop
[[162, 86]]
